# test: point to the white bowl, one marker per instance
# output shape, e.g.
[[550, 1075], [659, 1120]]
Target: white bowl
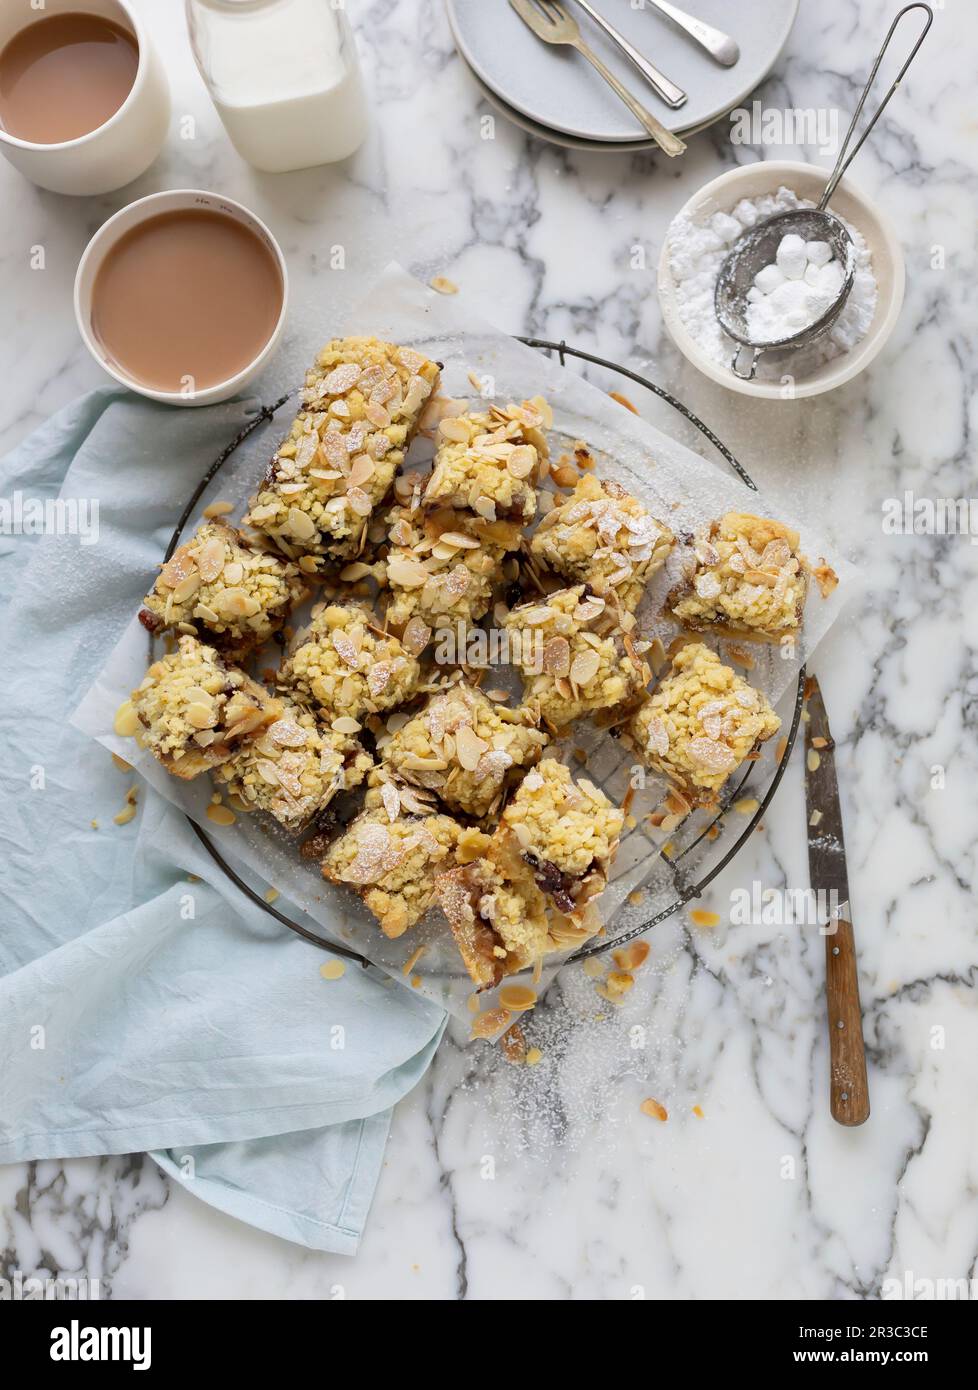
[[808, 181], [174, 200], [124, 146]]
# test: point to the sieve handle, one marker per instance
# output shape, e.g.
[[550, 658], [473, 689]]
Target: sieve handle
[[749, 370], [842, 163]]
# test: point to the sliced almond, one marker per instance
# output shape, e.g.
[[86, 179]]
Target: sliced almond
[[522, 461], [345, 724], [584, 667], [469, 748], [187, 587], [300, 525], [210, 559], [405, 572]]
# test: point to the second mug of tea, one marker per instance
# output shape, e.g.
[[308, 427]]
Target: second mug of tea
[[84, 102]]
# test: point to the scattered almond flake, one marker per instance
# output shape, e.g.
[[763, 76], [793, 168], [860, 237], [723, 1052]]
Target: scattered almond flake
[[814, 760], [565, 477], [359, 501], [636, 896], [653, 1109], [826, 578], [126, 723], [698, 1112], [618, 984], [126, 814], [415, 981], [93, 824], [623, 400], [820, 743], [333, 970], [221, 815], [351, 573], [781, 749], [485, 1025], [746, 806], [412, 960], [593, 967], [513, 1044], [218, 509], [517, 998], [498, 697], [815, 819], [121, 763], [632, 956], [442, 285], [701, 918], [272, 895], [533, 1056]]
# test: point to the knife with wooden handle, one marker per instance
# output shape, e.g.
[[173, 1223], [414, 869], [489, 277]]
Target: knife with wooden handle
[[848, 1086]]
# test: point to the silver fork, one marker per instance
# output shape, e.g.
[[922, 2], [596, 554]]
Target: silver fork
[[550, 21]]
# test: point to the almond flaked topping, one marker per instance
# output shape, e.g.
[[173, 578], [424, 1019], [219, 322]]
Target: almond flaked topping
[[345, 724], [711, 754], [378, 677], [221, 815], [363, 468], [584, 667], [442, 285], [407, 573], [556, 656], [469, 748], [345, 649], [391, 798], [373, 855], [522, 461], [590, 608], [377, 415], [210, 559], [359, 501], [127, 721], [485, 1025], [300, 525], [218, 509], [455, 429], [416, 636], [187, 587], [413, 762], [340, 380], [287, 734], [458, 540], [653, 1109]]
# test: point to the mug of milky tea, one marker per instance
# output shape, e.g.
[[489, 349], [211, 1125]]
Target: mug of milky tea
[[84, 102], [181, 296]]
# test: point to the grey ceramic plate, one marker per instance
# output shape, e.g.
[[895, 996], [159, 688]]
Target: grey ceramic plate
[[557, 88]]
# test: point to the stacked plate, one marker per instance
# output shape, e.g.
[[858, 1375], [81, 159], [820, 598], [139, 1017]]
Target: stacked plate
[[555, 94]]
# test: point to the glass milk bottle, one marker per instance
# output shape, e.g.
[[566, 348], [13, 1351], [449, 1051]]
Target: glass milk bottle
[[284, 76]]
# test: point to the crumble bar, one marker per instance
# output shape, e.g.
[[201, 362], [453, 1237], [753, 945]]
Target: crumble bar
[[361, 408], [195, 709], [464, 748], [749, 581], [442, 565], [700, 723], [221, 589], [343, 664], [497, 914], [604, 537], [573, 656], [391, 858], [567, 831], [295, 767], [489, 461]]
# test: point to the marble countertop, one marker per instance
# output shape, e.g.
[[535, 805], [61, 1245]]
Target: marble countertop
[[549, 1183]]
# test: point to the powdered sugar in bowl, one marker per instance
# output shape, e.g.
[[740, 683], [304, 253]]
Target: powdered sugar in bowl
[[697, 243]]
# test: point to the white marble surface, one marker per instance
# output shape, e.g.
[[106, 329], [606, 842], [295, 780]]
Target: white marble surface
[[764, 1195]]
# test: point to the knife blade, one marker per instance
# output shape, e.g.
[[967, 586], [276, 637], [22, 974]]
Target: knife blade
[[848, 1085]]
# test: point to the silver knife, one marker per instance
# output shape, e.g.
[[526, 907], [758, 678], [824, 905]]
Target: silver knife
[[848, 1086]]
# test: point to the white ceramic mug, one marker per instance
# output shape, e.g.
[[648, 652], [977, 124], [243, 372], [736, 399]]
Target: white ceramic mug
[[173, 200], [125, 145]]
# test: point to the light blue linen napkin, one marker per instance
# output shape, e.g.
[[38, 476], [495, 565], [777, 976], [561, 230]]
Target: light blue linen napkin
[[145, 1003]]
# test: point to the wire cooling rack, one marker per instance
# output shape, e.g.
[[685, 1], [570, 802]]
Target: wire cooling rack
[[700, 847]]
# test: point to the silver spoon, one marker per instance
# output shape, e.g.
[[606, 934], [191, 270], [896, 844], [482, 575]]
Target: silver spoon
[[755, 249], [718, 44]]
